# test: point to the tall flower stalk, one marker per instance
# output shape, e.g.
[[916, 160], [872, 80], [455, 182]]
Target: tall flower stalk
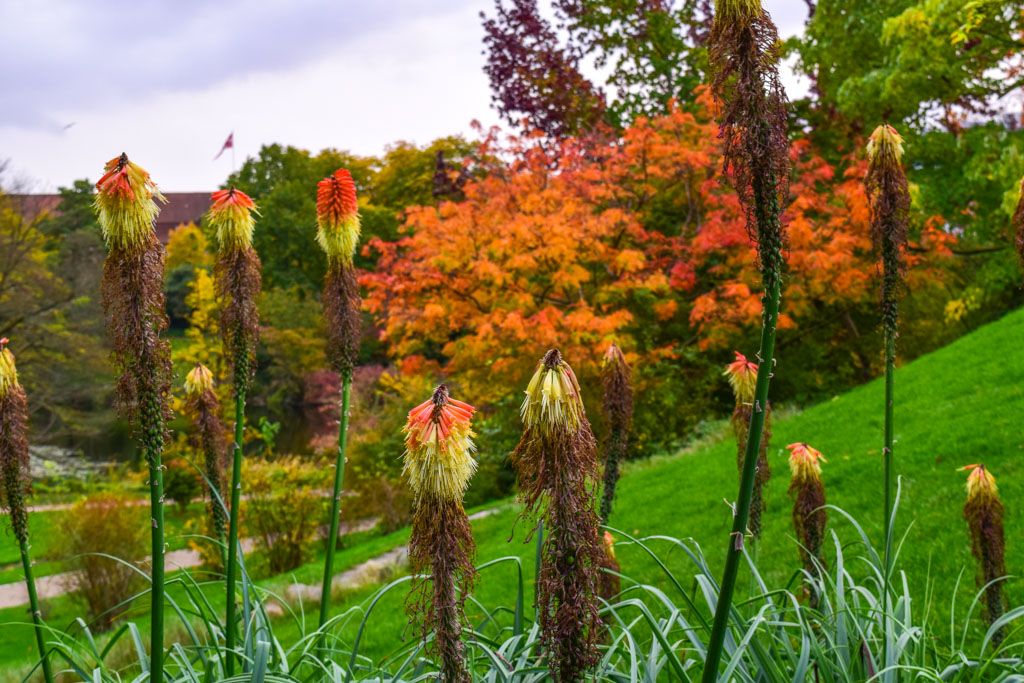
[[204, 409], [1017, 221], [984, 514], [439, 463], [136, 317], [889, 195], [238, 281], [742, 375], [337, 215], [557, 467], [809, 518], [617, 408], [14, 471], [743, 58]]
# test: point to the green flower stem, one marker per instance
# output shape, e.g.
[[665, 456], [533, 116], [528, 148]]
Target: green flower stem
[[156, 494], [611, 476], [766, 210], [236, 491], [37, 619], [890, 370], [153, 441], [339, 478], [742, 513]]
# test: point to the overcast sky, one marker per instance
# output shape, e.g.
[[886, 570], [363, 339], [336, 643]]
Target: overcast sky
[[82, 80]]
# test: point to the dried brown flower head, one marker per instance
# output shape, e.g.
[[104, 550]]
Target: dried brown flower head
[[984, 514], [439, 463], [239, 281], [210, 437], [617, 409], [889, 195], [133, 298], [557, 467], [809, 517], [13, 445], [744, 62], [1018, 221]]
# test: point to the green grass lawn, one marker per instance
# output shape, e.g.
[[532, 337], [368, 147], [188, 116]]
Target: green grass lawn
[[956, 406], [48, 548], [959, 405]]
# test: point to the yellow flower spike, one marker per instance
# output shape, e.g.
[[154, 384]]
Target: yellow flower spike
[[198, 381], [742, 376], [804, 462], [125, 206], [337, 216], [553, 397], [231, 215], [981, 485], [439, 447], [737, 10], [609, 544], [885, 145], [8, 372]]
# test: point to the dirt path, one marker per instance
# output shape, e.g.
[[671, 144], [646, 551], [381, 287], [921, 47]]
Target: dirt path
[[50, 507], [55, 585], [371, 571]]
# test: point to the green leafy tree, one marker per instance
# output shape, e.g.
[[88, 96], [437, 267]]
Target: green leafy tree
[[653, 50], [911, 60], [938, 70], [49, 308], [282, 180], [649, 52]]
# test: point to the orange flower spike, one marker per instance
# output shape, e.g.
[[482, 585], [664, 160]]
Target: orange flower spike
[[125, 205], [231, 214], [439, 447], [742, 376], [804, 462], [981, 485], [337, 216], [609, 543]]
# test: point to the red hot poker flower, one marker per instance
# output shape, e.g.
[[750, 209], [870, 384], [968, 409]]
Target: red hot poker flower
[[231, 213], [742, 376], [337, 215]]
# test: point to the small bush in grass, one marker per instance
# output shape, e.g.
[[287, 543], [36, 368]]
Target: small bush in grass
[[390, 501], [111, 524], [284, 509]]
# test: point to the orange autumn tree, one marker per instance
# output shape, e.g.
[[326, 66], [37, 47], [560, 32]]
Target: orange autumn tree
[[634, 241]]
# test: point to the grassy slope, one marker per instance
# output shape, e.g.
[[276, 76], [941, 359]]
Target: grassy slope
[[959, 405], [956, 406]]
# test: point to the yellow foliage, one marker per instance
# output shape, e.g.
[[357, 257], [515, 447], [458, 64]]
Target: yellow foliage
[[202, 345], [957, 309], [187, 244]]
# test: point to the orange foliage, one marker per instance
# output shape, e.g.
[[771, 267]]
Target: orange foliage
[[543, 254]]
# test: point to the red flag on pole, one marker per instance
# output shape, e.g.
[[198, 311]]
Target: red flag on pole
[[230, 142]]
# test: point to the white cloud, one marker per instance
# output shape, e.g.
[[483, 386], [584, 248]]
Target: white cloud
[[167, 82]]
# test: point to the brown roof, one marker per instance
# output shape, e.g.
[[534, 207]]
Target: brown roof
[[181, 207]]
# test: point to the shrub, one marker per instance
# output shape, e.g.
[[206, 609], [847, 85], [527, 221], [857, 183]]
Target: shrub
[[390, 500], [105, 523], [284, 509]]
